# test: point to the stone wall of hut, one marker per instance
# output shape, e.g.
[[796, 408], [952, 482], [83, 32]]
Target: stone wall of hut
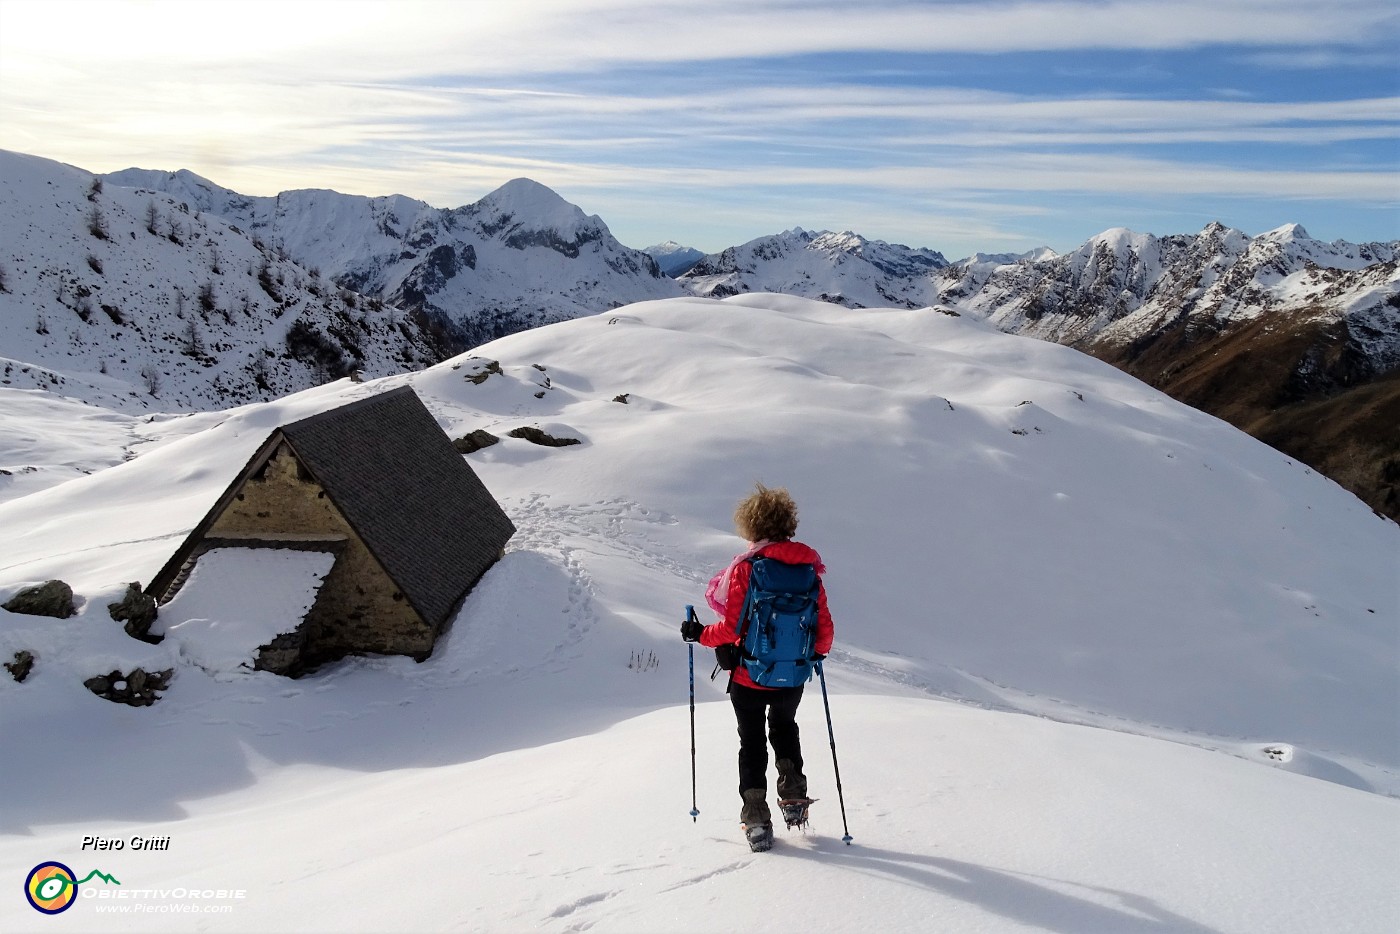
[[358, 608]]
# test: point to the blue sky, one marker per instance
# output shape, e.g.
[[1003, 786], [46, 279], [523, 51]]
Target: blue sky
[[952, 125]]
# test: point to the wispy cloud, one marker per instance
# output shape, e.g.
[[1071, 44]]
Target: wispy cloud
[[379, 39], [1324, 59], [964, 113]]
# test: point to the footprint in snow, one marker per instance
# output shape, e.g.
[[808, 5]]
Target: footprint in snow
[[563, 911]]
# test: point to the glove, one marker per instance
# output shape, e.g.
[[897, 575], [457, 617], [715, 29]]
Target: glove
[[691, 629], [817, 657]]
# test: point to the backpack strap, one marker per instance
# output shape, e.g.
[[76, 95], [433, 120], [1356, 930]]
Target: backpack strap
[[744, 615]]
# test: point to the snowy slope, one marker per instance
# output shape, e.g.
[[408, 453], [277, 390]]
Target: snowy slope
[[990, 823], [1200, 628], [519, 257], [133, 300]]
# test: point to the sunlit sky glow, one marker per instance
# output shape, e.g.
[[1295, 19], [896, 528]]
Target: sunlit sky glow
[[954, 125]]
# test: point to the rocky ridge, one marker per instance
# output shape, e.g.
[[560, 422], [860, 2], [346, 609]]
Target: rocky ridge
[[135, 300], [520, 257]]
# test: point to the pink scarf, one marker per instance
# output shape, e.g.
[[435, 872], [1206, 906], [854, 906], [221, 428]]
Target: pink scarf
[[717, 594]]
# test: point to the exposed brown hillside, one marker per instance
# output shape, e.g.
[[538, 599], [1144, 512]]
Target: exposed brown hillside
[[1353, 437], [1299, 385]]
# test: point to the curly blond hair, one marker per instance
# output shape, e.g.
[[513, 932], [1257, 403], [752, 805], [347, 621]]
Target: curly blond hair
[[766, 515]]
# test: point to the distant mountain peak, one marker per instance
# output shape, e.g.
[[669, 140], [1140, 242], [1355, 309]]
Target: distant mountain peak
[[1122, 238], [1039, 254], [525, 191], [525, 204], [843, 267], [1287, 232], [673, 259], [528, 198], [126, 177]]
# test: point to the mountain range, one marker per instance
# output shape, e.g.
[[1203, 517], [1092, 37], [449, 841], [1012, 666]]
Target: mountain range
[[133, 300], [1292, 339], [196, 295], [520, 257]]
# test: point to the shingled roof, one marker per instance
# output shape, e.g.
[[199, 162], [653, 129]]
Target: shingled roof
[[395, 477], [410, 495]]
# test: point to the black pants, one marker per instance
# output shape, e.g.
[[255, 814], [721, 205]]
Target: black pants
[[750, 705]]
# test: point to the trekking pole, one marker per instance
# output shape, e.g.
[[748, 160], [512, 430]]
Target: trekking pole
[[834, 764], [694, 810]]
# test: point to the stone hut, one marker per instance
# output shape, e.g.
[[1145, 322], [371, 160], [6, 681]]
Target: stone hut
[[378, 484]]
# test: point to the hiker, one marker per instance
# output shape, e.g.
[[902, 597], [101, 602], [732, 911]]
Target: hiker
[[767, 520]]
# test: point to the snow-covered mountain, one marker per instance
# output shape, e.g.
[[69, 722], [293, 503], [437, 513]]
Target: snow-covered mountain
[[1258, 330], [1294, 340], [844, 268], [1121, 287], [1117, 288], [1103, 663], [1253, 329], [673, 258], [993, 260], [520, 257], [137, 301]]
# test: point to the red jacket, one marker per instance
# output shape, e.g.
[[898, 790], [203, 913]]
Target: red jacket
[[726, 632]]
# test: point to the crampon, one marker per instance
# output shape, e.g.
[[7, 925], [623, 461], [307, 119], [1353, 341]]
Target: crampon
[[795, 811]]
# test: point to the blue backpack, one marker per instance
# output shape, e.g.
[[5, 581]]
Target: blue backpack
[[779, 628]]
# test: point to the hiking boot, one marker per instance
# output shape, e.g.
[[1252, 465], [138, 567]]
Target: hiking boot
[[760, 837], [756, 819]]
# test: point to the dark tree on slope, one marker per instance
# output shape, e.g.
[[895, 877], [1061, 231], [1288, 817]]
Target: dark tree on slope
[[97, 223], [265, 280], [261, 370], [191, 340], [445, 337], [151, 377], [306, 343]]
